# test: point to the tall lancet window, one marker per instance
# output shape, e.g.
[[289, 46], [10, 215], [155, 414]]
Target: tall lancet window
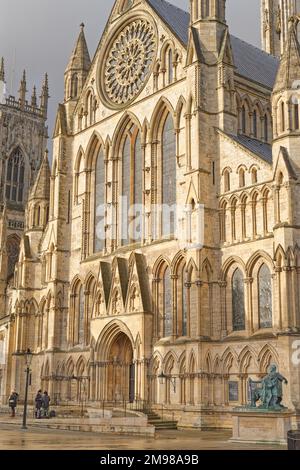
[[168, 303], [81, 326], [265, 297], [132, 187], [238, 301], [15, 174], [99, 231], [168, 177]]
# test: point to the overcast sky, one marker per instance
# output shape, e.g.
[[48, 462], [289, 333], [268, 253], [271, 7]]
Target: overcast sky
[[39, 35]]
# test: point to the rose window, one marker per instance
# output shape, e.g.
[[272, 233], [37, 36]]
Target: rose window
[[128, 63]]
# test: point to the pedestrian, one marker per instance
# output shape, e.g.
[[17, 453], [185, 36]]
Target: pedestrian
[[38, 404], [12, 401], [45, 404]]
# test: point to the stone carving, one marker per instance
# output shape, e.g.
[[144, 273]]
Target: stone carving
[[129, 62], [268, 391]]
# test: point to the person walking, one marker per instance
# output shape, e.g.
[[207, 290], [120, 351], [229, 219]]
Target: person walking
[[38, 404], [45, 404], [12, 401]]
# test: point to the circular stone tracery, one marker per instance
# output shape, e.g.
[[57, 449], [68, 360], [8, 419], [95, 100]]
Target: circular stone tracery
[[129, 61]]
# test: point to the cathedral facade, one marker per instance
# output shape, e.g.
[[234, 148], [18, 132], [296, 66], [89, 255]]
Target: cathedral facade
[[167, 270], [23, 137]]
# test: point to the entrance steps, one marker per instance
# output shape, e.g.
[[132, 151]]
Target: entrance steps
[[158, 422]]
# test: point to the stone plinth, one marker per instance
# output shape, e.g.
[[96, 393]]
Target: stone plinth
[[260, 426]]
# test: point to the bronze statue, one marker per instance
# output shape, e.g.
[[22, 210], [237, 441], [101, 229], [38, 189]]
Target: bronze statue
[[270, 391]]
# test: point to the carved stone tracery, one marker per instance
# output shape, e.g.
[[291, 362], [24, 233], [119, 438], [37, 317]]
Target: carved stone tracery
[[129, 61]]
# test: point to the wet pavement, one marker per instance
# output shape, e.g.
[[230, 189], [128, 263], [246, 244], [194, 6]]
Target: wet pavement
[[12, 437]]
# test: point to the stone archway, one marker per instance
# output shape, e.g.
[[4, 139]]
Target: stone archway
[[120, 383]]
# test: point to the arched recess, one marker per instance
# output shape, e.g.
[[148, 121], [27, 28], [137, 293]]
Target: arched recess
[[182, 134], [79, 176], [163, 293], [89, 301], [116, 377]]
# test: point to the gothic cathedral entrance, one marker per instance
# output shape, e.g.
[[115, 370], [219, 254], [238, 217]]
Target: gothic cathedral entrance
[[121, 370]]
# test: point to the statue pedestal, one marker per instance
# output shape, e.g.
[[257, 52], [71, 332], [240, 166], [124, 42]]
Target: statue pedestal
[[261, 426]]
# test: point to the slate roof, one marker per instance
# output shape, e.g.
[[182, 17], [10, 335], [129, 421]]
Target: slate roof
[[261, 149], [251, 62]]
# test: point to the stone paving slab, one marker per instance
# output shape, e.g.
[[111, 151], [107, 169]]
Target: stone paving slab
[[12, 437]]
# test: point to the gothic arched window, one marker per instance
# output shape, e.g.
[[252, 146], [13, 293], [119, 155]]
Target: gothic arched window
[[74, 86], [255, 123], [168, 177], [80, 313], [266, 128], [132, 187], [170, 66], [12, 250], [15, 175], [244, 121], [242, 178], [238, 301], [184, 302], [168, 304], [99, 233], [265, 297]]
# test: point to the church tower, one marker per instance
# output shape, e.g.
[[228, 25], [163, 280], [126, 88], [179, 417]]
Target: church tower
[[275, 15], [23, 137], [76, 71]]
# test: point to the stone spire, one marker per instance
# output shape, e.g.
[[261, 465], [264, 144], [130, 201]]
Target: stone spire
[[289, 69], [2, 71], [34, 98], [41, 186], [23, 90], [45, 96], [78, 67]]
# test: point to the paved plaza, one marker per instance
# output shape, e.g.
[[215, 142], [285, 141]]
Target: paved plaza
[[12, 437]]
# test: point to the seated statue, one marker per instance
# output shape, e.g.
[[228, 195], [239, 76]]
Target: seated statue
[[269, 391]]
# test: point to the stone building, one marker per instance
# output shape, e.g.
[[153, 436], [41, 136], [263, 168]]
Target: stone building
[[23, 137], [275, 23], [180, 309]]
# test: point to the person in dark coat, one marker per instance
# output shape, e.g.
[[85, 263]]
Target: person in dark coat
[[12, 401], [45, 404], [38, 404]]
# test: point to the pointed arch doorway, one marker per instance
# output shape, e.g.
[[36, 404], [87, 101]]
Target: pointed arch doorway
[[120, 375]]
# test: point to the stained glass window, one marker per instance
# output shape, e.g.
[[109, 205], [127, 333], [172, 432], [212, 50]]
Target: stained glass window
[[138, 187], [132, 187], [167, 286], [15, 174], [265, 297], [238, 301], [168, 177], [99, 233], [126, 189]]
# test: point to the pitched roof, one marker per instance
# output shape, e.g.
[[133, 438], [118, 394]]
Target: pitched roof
[[175, 17], [251, 62], [261, 149]]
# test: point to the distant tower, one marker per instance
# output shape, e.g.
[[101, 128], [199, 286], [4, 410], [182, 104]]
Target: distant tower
[[23, 138], [275, 15]]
